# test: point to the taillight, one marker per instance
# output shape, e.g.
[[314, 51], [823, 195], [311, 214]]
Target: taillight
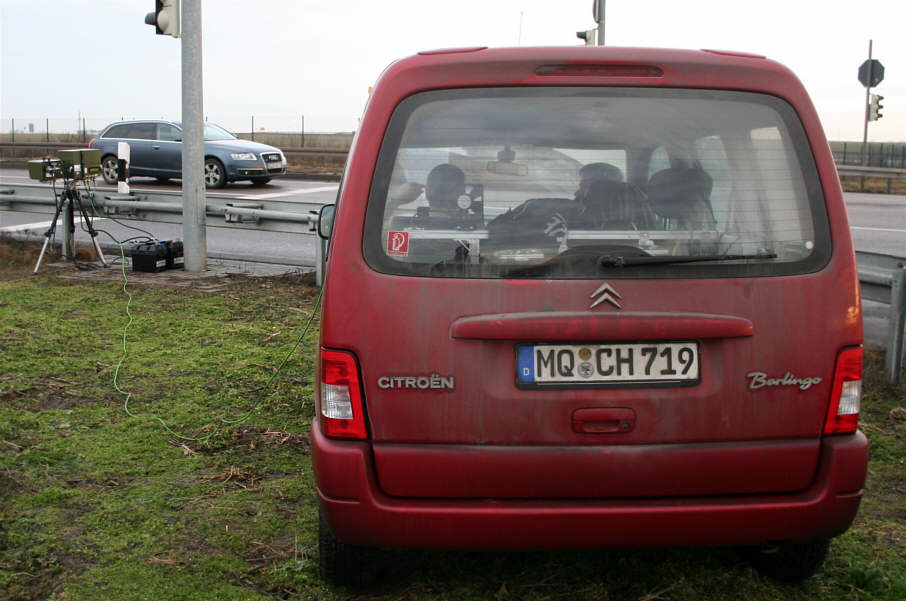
[[846, 395], [91, 143], [341, 409]]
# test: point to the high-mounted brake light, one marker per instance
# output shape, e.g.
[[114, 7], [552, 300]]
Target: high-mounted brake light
[[601, 70], [846, 394], [341, 408]]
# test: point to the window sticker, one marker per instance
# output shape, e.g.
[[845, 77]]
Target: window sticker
[[398, 244]]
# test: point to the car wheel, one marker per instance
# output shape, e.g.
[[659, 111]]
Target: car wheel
[[342, 564], [790, 561], [260, 181], [214, 174], [109, 168]]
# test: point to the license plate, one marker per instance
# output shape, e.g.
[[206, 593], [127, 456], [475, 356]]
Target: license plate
[[583, 364]]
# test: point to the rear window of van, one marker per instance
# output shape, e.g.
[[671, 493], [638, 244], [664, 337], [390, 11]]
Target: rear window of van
[[580, 182]]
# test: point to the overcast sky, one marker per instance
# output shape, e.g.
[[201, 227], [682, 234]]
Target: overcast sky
[[281, 59]]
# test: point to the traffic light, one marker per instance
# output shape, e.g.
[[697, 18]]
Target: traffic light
[[874, 107], [165, 17], [589, 36]]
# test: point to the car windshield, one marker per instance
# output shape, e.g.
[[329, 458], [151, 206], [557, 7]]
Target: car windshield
[[214, 132], [546, 182]]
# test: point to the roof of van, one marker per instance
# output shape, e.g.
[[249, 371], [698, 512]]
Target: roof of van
[[590, 65]]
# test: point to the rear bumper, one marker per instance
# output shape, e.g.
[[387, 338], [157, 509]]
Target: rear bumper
[[358, 512]]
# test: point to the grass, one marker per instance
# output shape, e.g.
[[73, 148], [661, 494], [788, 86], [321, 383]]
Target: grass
[[876, 185], [95, 504]]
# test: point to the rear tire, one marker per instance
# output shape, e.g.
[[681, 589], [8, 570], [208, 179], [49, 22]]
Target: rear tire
[[791, 561], [342, 564]]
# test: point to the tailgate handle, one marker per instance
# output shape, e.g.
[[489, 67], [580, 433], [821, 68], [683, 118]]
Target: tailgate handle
[[604, 420]]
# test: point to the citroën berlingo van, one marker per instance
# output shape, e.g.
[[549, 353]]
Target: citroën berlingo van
[[588, 297]]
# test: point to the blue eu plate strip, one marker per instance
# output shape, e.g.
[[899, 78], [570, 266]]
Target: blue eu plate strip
[[526, 363]]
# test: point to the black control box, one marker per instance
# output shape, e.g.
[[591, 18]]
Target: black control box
[[156, 256]]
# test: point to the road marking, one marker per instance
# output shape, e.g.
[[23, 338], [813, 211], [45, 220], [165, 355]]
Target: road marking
[[40, 225], [289, 193], [878, 229]]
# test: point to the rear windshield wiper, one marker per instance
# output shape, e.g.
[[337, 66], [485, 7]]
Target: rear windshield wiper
[[621, 261]]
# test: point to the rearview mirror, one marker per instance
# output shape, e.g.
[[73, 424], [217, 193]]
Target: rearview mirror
[[505, 165], [507, 168], [325, 220]]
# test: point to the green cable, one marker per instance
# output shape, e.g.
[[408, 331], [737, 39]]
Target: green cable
[[157, 418]]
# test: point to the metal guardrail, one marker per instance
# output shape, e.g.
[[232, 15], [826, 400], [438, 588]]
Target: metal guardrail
[[249, 213], [272, 215], [882, 278], [860, 171], [885, 173]]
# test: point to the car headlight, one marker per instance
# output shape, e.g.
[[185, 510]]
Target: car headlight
[[244, 156]]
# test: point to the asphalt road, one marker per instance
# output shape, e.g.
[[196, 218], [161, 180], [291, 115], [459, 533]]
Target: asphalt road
[[878, 224]]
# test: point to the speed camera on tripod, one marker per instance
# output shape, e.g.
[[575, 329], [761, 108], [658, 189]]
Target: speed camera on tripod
[[75, 165]]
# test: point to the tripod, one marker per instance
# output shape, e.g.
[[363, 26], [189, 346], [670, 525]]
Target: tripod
[[71, 195]]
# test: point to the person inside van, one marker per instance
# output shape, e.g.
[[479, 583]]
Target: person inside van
[[595, 172], [449, 206], [682, 197], [445, 184], [445, 191], [614, 205], [546, 221]]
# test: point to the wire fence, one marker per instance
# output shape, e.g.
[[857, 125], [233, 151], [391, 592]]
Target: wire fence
[[290, 131], [879, 154], [278, 130]]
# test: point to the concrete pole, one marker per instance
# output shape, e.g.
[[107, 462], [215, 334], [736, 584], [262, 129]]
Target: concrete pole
[[599, 17], [195, 248]]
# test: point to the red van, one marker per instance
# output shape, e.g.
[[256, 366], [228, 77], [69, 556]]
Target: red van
[[588, 297]]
